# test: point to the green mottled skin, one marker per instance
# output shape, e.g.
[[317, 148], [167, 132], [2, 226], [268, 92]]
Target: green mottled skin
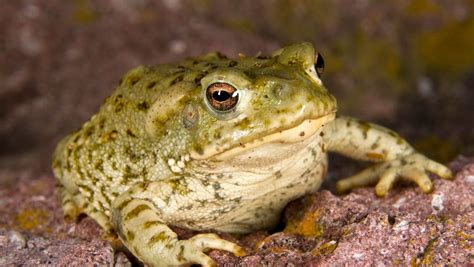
[[157, 154]]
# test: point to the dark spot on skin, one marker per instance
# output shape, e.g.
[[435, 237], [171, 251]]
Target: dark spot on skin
[[143, 106], [85, 188], [134, 80], [237, 199], [250, 74], [302, 134], [177, 80], [243, 124], [365, 127], [150, 224], [198, 78], [232, 63], [374, 146], [130, 133], [305, 174], [99, 165], [76, 138], [130, 235], [220, 55], [136, 211], [101, 124], [88, 132], [217, 196], [118, 102], [160, 237], [151, 85], [128, 173], [391, 219], [199, 149], [118, 107], [321, 134], [393, 134], [110, 135], [188, 207], [278, 174]]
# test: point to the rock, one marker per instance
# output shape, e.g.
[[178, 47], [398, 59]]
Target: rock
[[53, 251], [17, 239], [121, 260], [406, 227]]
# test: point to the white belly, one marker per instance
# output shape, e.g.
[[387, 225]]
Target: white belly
[[273, 176]]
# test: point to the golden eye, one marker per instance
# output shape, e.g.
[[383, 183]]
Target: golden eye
[[222, 96], [319, 64]]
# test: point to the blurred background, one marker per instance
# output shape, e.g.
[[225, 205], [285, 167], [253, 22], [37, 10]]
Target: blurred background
[[408, 65]]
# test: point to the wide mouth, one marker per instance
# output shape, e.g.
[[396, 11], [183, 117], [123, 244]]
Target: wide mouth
[[295, 134]]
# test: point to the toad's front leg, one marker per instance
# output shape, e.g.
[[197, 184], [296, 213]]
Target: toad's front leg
[[397, 159], [139, 223]]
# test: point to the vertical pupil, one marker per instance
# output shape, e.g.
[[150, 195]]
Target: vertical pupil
[[220, 95]]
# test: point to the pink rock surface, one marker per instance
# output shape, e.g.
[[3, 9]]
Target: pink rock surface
[[406, 227]]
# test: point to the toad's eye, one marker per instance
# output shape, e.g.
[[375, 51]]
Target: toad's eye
[[222, 97], [319, 64]]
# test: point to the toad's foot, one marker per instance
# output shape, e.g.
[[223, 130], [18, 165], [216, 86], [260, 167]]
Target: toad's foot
[[139, 225], [192, 250], [412, 167]]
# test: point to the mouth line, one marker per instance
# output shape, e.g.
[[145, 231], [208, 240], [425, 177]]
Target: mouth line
[[300, 132]]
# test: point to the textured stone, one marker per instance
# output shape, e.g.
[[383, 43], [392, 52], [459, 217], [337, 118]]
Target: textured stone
[[406, 227]]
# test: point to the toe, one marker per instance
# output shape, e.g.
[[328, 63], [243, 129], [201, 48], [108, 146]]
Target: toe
[[386, 182], [363, 178], [439, 169], [420, 178], [213, 241]]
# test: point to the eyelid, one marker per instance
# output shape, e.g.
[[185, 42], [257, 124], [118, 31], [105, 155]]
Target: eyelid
[[311, 71]]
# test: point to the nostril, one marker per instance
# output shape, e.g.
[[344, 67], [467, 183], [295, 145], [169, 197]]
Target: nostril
[[277, 90], [281, 91]]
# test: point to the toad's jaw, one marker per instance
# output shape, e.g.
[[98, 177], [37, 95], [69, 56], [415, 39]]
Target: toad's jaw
[[296, 134]]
